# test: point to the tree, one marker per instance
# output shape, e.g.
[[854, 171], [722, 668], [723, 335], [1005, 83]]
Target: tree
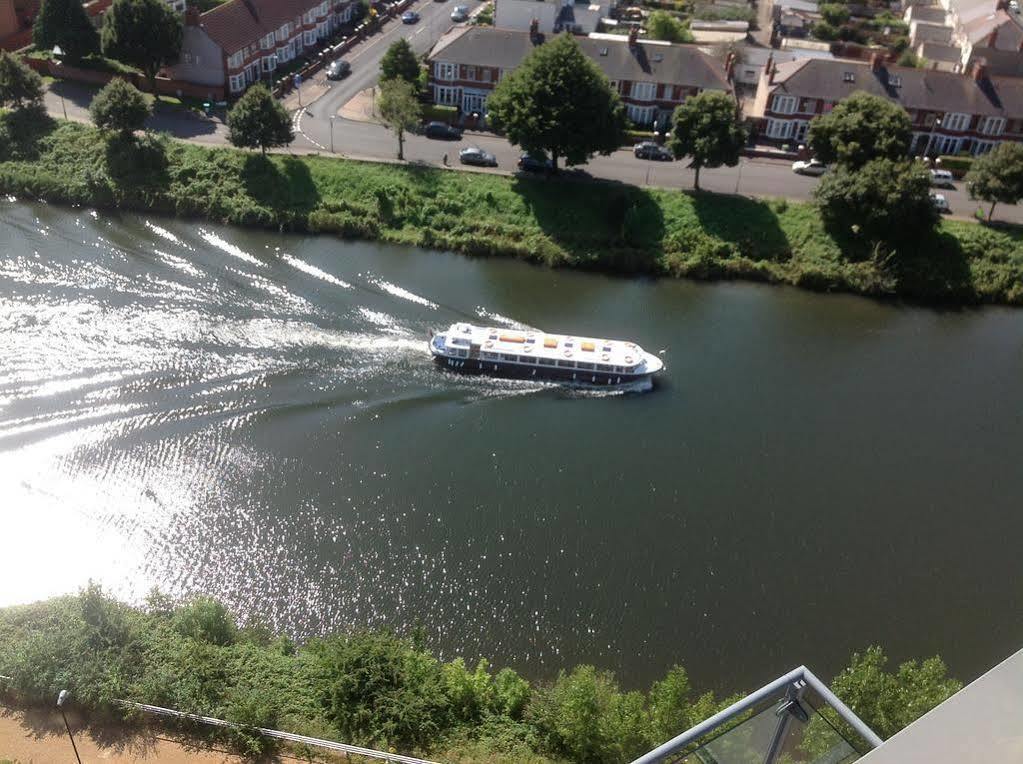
[[559, 103], [861, 128], [663, 26], [706, 128], [834, 13], [997, 176], [399, 62], [884, 700], [146, 34], [399, 109], [257, 120], [911, 60], [884, 201], [19, 85], [65, 23], [119, 106]]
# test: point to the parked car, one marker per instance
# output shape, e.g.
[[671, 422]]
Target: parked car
[[813, 167], [477, 156], [940, 203], [651, 150], [442, 131], [410, 17], [530, 163], [1014, 6], [460, 13], [338, 70], [942, 179]]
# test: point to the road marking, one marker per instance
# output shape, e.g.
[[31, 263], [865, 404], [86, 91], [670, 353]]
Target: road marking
[[296, 126]]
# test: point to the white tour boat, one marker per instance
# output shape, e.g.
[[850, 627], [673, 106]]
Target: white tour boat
[[529, 354]]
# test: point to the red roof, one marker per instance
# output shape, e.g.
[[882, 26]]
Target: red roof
[[238, 23]]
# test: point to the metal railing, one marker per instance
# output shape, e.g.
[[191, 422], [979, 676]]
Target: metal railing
[[369, 753], [797, 679]]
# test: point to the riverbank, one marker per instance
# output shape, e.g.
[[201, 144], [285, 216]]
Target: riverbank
[[557, 222], [374, 688]]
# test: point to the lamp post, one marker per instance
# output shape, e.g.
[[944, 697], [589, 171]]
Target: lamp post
[[58, 53], [930, 138], [332, 118], [62, 699]]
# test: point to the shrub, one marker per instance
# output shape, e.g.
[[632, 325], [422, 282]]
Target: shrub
[[119, 106], [206, 620]]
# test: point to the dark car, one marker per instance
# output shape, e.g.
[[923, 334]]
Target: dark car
[[338, 70], [477, 156], [651, 150], [530, 163], [409, 17], [442, 131]]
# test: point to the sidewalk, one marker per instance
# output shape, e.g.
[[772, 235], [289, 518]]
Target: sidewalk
[[362, 108], [36, 736]]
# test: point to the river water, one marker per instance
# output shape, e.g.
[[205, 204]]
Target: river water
[[255, 416]]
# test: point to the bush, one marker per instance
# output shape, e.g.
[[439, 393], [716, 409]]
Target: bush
[[119, 106], [206, 620]]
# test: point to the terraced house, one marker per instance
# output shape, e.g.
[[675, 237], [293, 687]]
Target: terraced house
[[950, 112], [651, 77], [243, 41]]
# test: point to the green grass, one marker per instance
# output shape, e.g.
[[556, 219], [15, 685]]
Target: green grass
[[559, 222]]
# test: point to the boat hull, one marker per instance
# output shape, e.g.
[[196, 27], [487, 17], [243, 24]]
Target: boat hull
[[570, 377]]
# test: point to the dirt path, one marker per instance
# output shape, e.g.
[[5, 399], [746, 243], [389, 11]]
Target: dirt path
[[39, 737]]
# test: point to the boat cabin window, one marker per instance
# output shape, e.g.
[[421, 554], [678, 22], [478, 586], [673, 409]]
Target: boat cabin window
[[587, 366], [607, 348], [567, 364], [546, 361]]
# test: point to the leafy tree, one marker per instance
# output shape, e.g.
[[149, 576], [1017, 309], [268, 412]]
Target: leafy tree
[[257, 120], [822, 30], [380, 688], [861, 128], [206, 620], [706, 128], [65, 23], [834, 13], [399, 62], [119, 106], [884, 700], [884, 201], [19, 85], [559, 103], [584, 717], [663, 26], [997, 176], [146, 34], [399, 109], [911, 60]]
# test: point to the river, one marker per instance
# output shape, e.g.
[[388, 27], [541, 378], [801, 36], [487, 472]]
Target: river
[[255, 416]]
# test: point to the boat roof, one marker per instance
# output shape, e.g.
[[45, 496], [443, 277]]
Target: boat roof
[[545, 344]]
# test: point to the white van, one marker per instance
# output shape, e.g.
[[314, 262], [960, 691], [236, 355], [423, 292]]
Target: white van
[[942, 179]]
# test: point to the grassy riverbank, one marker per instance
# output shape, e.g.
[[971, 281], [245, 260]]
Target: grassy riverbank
[[382, 690], [561, 222]]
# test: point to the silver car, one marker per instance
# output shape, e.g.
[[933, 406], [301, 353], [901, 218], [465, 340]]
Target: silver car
[[812, 167], [460, 13], [477, 156]]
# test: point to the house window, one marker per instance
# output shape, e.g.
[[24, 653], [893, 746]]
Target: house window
[[267, 42], [783, 104], [848, 77], [283, 32], [470, 73], [992, 125], [779, 128], [827, 107], [955, 122], [237, 83], [309, 38], [643, 91], [235, 61], [640, 115], [445, 95], [269, 63], [484, 75], [474, 103], [445, 71], [808, 106], [983, 147]]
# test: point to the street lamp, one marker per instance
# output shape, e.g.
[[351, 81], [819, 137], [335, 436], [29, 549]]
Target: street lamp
[[58, 53], [332, 118], [62, 699]]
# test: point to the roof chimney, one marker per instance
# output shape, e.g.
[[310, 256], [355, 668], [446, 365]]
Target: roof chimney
[[191, 16], [875, 62], [633, 37], [979, 70], [771, 71]]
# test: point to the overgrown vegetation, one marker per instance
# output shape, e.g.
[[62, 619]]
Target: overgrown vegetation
[[379, 688], [563, 223]]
